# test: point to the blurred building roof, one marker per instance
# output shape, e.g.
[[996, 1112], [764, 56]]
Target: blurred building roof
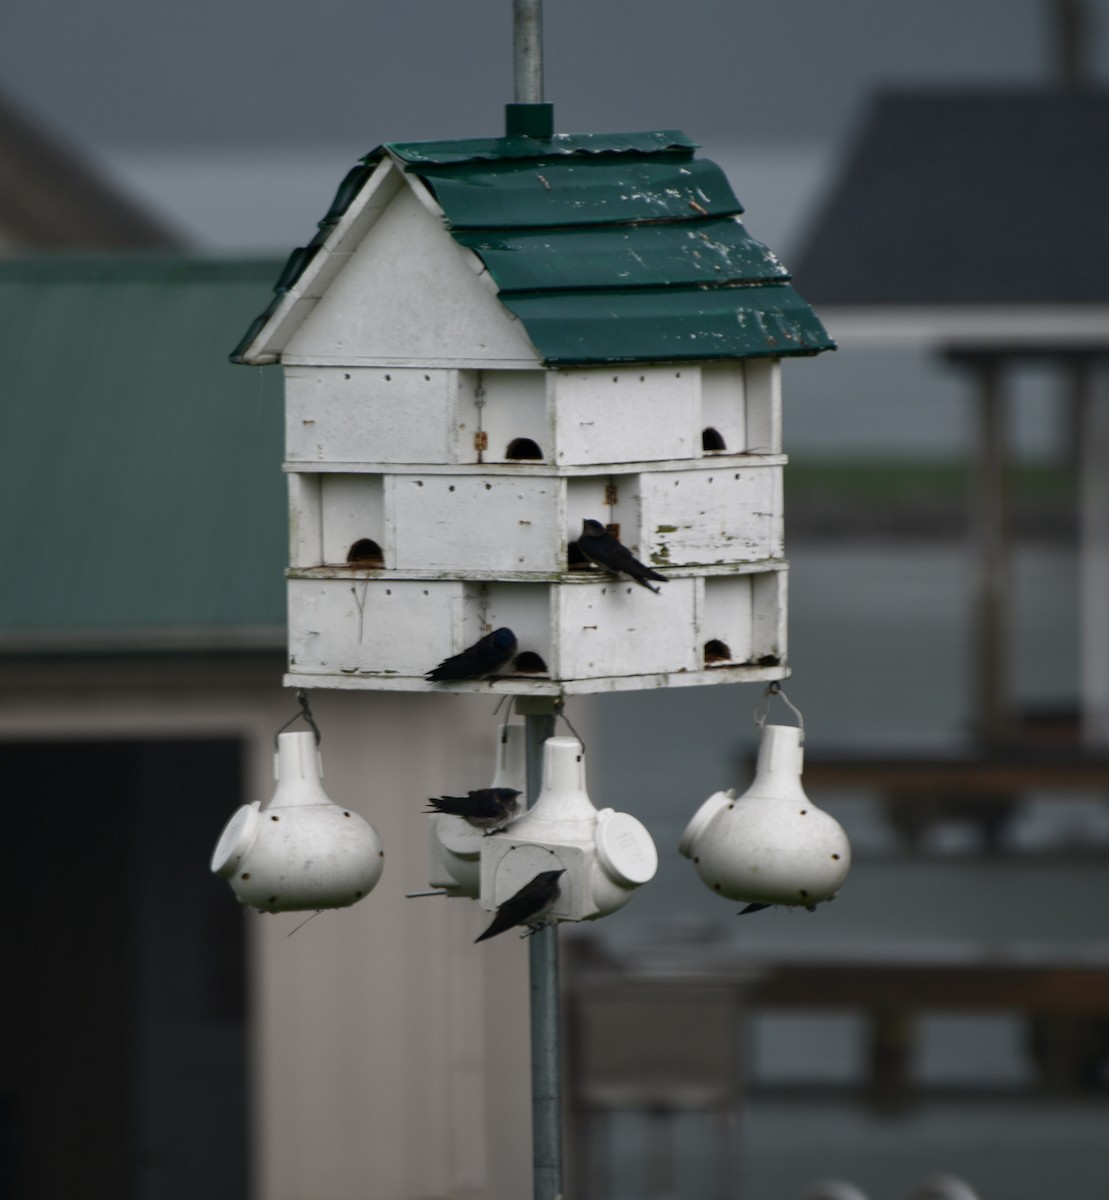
[[53, 198], [608, 248], [139, 472], [975, 199]]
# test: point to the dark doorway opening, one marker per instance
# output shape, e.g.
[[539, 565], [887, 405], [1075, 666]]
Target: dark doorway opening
[[123, 1048]]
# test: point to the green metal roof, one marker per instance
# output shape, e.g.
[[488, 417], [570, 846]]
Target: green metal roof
[[555, 194], [608, 247], [139, 472], [699, 253]]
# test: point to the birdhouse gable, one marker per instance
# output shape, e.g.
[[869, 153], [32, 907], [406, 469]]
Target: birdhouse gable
[[310, 269], [407, 293]]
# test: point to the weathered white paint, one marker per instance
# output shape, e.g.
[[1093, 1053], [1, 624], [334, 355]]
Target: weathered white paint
[[352, 508], [431, 414], [522, 685], [764, 405], [408, 292], [340, 626], [727, 615], [366, 628], [406, 384], [619, 628], [769, 605], [733, 514], [504, 405], [625, 414], [305, 521], [369, 414], [457, 523], [620, 470], [724, 403]]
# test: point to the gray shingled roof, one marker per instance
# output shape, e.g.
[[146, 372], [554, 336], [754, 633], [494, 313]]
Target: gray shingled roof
[[968, 197]]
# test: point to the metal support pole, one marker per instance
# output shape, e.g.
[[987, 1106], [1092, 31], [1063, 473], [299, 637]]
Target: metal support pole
[[527, 50], [546, 1054]]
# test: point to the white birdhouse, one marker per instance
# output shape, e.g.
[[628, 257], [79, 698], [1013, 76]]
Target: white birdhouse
[[490, 342]]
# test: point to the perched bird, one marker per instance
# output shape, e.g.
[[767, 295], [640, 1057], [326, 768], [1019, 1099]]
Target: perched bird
[[753, 907], [529, 906], [600, 547], [489, 809], [484, 657]]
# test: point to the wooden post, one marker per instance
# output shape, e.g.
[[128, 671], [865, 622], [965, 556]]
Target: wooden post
[[991, 568], [1093, 570]]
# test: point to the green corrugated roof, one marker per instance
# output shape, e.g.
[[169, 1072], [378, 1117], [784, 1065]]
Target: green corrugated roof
[[608, 247], [675, 254], [139, 471], [561, 193], [660, 323]]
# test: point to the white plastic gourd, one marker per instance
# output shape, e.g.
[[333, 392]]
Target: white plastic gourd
[[302, 851], [606, 854], [772, 845]]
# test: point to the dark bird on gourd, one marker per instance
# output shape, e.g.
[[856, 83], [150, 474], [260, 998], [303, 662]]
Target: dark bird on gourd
[[484, 657], [529, 906], [601, 548], [488, 809]]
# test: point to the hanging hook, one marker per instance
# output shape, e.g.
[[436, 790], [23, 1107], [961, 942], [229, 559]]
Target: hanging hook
[[506, 699], [775, 689], [559, 707], [305, 712]]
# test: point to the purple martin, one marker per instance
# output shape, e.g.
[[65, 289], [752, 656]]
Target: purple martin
[[529, 906], [753, 907], [489, 809], [601, 548], [484, 657]]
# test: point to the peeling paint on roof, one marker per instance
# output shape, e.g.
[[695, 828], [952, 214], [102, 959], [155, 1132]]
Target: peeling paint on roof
[[608, 247], [653, 142]]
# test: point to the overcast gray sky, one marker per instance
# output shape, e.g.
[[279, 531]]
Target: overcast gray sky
[[235, 119], [268, 73]]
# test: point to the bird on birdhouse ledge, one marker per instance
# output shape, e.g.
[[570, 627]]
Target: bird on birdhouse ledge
[[485, 657], [603, 550]]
